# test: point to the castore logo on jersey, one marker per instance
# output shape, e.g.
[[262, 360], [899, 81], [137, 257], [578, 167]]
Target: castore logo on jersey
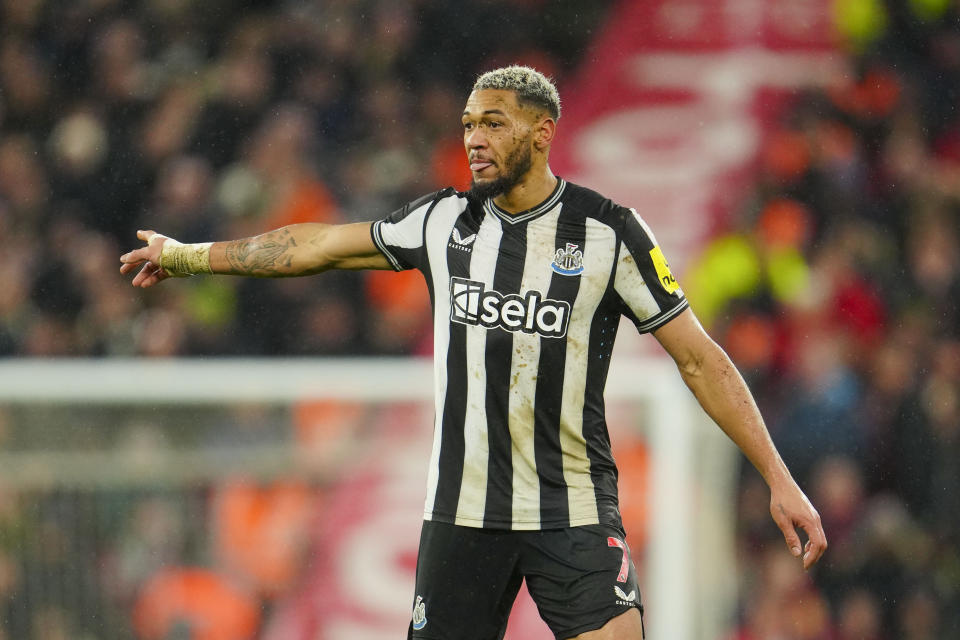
[[461, 242], [471, 303]]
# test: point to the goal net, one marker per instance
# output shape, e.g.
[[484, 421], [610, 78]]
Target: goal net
[[282, 498]]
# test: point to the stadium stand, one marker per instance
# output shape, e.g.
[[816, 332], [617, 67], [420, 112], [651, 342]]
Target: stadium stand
[[221, 119], [225, 118], [845, 322]]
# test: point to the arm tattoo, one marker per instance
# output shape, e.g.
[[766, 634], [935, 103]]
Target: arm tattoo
[[266, 255]]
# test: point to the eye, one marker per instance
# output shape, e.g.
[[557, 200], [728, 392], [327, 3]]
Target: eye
[[495, 124], [467, 126]]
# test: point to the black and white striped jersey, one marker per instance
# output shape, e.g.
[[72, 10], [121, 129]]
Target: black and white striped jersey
[[526, 308]]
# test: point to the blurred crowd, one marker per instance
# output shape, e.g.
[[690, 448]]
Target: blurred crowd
[[223, 119], [837, 292], [212, 120]]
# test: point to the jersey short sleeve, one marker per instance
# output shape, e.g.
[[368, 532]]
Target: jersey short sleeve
[[643, 281], [400, 236]]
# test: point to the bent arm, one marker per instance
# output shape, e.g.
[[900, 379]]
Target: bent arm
[[723, 394]]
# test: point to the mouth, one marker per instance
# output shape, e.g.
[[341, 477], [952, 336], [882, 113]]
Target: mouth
[[477, 165]]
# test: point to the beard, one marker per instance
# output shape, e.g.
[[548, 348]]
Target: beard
[[515, 166]]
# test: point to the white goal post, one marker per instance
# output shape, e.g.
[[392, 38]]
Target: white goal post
[[689, 584]]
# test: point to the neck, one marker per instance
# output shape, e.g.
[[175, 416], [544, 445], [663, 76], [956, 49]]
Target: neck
[[529, 192]]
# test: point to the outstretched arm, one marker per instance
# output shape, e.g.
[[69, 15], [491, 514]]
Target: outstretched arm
[[723, 394], [295, 250]]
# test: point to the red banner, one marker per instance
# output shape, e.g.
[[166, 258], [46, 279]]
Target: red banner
[[667, 114]]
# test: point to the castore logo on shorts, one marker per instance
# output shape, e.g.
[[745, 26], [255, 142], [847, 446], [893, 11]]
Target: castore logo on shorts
[[623, 598], [472, 304]]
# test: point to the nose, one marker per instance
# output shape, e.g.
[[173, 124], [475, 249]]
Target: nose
[[474, 139]]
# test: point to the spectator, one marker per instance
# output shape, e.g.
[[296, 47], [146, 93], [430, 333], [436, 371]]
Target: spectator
[[858, 367], [216, 118]]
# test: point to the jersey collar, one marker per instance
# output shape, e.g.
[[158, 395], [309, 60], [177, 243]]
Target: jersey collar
[[529, 214]]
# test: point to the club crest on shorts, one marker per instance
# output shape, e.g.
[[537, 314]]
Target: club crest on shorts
[[568, 261], [419, 614]]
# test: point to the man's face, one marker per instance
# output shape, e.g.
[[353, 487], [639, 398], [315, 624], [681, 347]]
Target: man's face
[[498, 136]]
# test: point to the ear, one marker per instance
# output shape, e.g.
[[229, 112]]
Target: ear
[[543, 133]]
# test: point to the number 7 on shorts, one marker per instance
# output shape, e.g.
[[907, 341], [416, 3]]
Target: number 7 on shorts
[[625, 563]]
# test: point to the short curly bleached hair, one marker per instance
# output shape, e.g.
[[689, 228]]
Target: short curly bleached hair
[[532, 87]]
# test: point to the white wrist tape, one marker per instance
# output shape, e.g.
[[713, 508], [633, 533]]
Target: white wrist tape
[[182, 260]]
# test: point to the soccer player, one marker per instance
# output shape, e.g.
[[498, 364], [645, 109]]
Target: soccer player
[[528, 276]]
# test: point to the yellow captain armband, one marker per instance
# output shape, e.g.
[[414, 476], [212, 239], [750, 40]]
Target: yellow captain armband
[[182, 260]]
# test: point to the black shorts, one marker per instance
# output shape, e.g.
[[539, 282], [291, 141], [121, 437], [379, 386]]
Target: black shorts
[[467, 579]]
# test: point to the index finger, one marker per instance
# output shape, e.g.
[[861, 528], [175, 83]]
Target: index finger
[[816, 544], [136, 256]]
